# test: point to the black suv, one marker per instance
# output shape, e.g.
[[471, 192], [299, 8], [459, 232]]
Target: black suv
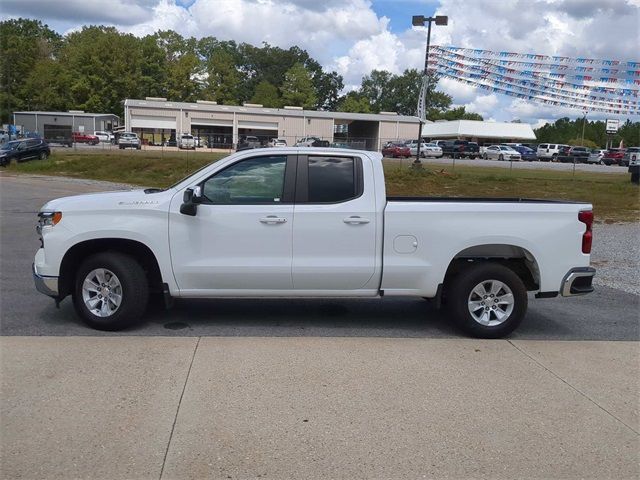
[[22, 150]]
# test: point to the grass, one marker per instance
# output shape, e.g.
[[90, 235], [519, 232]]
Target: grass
[[614, 198]]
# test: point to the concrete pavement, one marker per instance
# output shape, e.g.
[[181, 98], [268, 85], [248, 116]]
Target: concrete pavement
[[301, 407]]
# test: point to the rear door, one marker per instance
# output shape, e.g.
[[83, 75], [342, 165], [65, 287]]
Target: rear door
[[334, 230]]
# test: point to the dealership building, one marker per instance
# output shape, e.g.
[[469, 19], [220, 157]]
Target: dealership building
[[157, 120], [53, 125], [484, 133]]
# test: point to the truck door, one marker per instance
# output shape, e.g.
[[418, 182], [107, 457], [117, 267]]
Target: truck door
[[240, 238], [334, 229]]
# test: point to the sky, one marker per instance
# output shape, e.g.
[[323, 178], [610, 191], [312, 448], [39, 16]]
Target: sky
[[354, 37]]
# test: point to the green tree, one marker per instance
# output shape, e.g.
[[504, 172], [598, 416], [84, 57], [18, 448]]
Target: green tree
[[48, 87], [297, 88], [267, 95], [222, 79], [104, 66], [458, 113], [23, 44], [354, 102], [184, 70]]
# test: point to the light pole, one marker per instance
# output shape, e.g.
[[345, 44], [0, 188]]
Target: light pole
[[584, 121], [419, 21]]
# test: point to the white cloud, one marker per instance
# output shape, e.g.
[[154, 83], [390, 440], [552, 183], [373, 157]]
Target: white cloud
[[348, 36]]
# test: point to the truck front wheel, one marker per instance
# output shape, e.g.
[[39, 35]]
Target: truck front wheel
[[111, 291], [487, 300]]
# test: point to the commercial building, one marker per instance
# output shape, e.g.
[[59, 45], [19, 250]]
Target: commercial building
[[157, 120], [53, 125], [484, 133]]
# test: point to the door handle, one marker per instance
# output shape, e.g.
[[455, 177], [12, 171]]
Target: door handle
[[355, 220], [272, 220]]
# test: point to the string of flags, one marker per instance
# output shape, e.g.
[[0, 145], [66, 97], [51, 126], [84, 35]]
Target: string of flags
[[610, 86]]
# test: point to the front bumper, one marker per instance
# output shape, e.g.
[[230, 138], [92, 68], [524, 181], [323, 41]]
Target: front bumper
[[578, 281], [44, 284]]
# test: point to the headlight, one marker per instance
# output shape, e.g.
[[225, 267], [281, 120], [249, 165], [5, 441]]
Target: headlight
[[49, 219]]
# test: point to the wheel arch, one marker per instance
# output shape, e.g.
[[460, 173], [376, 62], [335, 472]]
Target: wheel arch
[[520, 260], [80, 251]]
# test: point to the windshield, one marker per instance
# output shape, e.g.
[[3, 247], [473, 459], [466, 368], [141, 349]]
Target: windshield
[[10, 146]]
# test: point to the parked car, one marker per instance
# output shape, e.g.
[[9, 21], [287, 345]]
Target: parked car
[[460, 149], [187, 142], [596, 155], [548, 152], [633, 156], [574, 155], [171, 142], [248, 142], [104, 137], [613, 156], [129, 140], [22, 150], [501, 152], [426, 149], [277, 142], [306, 141], [630, 154], [80, 137], [395, 150], [526, 153], [347, 237]]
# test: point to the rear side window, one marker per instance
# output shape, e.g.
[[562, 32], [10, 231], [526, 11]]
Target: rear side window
[[331, 179]]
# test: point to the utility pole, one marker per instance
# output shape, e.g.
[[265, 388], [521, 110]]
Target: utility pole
[[423, 98]]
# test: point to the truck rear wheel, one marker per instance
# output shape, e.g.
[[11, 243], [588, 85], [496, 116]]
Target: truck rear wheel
[[111, 291], [487, 300]]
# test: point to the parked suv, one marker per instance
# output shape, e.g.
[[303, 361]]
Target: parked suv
[[129, 140], [550, 151], [22, 150]]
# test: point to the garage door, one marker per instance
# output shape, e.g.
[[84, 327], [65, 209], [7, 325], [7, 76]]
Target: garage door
[[151, 121]]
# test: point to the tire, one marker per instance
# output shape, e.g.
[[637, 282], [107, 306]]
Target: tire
[[42, 156], [121, 147], [501, 157], [462, 297], [485, 157], [130, 283], [138, 147], [554, 157]]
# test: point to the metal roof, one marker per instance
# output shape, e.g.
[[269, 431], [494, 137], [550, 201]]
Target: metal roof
[[68, 114], [481, 129], [206, 107]]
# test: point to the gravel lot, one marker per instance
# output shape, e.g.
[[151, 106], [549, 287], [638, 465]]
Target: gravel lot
[[616, 256]]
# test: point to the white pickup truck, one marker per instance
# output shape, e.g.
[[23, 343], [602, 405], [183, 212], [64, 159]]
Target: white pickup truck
[[309, 222]]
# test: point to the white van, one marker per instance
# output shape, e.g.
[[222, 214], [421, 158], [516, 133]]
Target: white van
[[549, 151], [187, 141]]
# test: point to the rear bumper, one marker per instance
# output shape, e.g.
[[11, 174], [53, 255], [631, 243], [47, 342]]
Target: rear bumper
[[46, 285], [578, 281]]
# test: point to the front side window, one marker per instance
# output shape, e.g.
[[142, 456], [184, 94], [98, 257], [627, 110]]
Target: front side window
[[331, 179], [256, 180]]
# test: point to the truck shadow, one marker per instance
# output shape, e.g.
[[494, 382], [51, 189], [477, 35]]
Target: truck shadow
[[607, 314]]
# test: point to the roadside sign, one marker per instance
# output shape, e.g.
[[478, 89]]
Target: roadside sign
[[612, 125], [81, 128]]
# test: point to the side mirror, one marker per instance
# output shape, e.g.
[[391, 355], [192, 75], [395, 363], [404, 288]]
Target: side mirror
[[190, 200]]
